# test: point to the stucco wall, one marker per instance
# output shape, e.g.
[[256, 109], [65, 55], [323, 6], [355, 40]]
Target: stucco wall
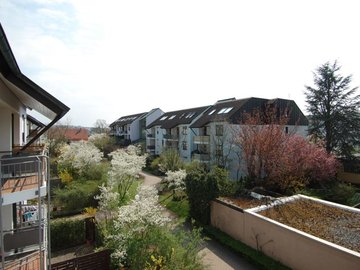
[[291, 247]]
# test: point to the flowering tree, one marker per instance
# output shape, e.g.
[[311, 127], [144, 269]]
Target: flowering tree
[[108, 199], [78, 157], [260, 141], [283, 161], [135, 219], [126, 164], [175, 181], [302, 162]]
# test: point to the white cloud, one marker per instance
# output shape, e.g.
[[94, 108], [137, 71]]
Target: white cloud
[[110, 58]]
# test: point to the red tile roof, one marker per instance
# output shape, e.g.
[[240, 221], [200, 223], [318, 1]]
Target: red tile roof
[[76, 134]]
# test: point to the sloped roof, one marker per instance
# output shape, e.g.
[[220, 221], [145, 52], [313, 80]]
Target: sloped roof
[[29, 93], [232, 111], [76, 134], [124, 120], [175, 118]]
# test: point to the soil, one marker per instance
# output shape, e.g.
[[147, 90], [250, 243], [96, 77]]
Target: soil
[[244, 202], [339, 226]]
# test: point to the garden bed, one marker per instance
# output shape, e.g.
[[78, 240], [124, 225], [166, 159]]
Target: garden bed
[[334, 224], [244, 202], [332, 244]]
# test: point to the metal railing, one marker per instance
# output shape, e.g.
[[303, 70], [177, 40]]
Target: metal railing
[[19, 173]]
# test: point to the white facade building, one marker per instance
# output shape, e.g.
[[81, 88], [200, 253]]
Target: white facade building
[[171, 130], [131, 128], [24, 170]]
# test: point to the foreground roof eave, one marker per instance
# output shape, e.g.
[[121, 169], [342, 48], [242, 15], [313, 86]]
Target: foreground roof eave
[[11, 72]]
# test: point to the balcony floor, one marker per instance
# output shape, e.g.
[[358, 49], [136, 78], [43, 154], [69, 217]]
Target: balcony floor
[[19, 184]]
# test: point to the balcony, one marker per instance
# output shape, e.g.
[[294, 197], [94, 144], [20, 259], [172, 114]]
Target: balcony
[[171, 137], [151, 147], [201, 139], [201, 157], [23, 177]]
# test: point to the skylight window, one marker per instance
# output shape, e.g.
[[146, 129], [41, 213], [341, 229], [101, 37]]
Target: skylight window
[[210, 113], [228, 109], [189, 115], [163, 118], [225, 110], [222, 111], [172, 117]]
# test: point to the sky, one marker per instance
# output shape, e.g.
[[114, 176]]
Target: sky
[[107, 59]]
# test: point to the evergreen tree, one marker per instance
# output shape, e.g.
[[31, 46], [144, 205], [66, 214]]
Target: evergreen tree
[[334, 109]]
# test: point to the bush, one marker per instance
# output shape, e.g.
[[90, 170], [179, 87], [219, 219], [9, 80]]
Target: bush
[[77, 195], [170, 160], [160, 247], [341, 193], [201, 189], [225, 186], [66, 233]]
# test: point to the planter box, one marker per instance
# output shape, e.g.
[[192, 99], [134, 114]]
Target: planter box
[[294, 248]]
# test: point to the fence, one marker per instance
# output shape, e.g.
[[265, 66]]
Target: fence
[[93, 261]]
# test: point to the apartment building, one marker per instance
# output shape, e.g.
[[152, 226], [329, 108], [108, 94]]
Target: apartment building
[[131, 128], [206, 134], [171, 130], [217, 126], [24, 172]]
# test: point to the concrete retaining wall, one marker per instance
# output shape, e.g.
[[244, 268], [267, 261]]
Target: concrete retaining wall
[[296, 249]]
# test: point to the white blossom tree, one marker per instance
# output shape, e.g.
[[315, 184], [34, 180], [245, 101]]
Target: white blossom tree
[[79, 156], [134, 219], [126, 164], [175, 181]]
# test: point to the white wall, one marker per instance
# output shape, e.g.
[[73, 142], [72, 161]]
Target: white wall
[[134, 130], [153, 116]]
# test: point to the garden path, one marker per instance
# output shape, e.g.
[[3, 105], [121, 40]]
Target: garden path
[[215, 256]]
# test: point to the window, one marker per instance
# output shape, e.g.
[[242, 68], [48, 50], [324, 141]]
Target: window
[[219, 150], [287, 130], [172, 117], [228, 110], [189, 115], [210, 113], [184, 145], [184, 130], [163, 118], [225, 110], [219, 130], [222, 111]]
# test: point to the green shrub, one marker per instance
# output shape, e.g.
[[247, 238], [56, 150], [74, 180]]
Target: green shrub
[[66, 233], [175, 249], [341, 193], [77, 195], [201, 189], [98, 172], [170, 160]]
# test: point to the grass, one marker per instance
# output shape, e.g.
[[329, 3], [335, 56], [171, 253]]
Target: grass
[[181, 208], [133, 189]]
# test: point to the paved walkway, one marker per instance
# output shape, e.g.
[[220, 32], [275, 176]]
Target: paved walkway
[[216, 256]]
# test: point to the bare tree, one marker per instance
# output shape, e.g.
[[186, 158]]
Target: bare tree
[[100, 126]]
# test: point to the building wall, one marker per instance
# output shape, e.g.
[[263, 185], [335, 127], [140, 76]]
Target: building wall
[[159, 135], [134, 130], [153, 116], [291, 247]]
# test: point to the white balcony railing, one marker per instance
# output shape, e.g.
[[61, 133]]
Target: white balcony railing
[[201, 139]]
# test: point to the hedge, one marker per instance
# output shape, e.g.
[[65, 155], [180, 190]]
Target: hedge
[[66, 233]]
